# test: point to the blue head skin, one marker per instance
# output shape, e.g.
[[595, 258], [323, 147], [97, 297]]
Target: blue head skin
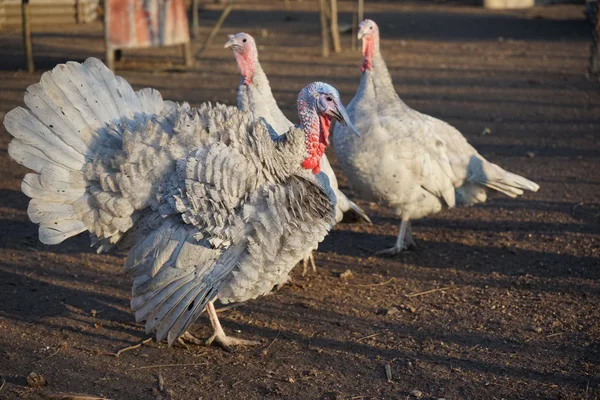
[[318, 104]]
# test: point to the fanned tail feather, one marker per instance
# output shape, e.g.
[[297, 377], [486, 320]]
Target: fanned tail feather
[[72, 119]]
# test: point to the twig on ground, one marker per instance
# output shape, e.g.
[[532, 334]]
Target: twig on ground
[[66, 396], [3, 383], [368, 337], [161, 382], [62, 346], [229, 307], [135, 346], [587, 388], [375, 284], [554, 334], [388, 372], [428, 291], [264, 352], [169, 365]]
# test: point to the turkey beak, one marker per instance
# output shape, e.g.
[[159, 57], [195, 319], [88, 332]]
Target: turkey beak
[[230, 42], [342, 116], [362, 31]]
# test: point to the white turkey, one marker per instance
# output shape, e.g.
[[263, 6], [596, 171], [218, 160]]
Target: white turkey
[[408, 161], [254, 95], [208, 204]]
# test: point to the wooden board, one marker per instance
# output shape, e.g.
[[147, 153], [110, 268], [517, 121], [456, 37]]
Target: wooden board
[[146, 23]]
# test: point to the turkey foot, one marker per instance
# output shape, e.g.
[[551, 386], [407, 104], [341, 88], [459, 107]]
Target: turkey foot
[[226, 342], [404, 241], [310, 258], [220, 337], [188, 338]]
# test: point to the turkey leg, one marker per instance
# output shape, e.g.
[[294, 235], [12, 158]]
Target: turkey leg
[[219, 336], [409, 239], [309, 259], [403, 241]]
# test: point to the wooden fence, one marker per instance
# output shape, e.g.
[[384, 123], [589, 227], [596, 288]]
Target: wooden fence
[[48, 12]]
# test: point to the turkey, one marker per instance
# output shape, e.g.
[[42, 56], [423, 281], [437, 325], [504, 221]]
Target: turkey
[[207, 204], [254, 95], [408, 161]]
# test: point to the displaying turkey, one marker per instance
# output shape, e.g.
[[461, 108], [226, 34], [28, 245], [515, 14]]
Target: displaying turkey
[[254, 95], [208, 204], [408, 161]]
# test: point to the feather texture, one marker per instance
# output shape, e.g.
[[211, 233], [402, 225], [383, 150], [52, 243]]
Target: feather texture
[[257, 98], [206, 202]]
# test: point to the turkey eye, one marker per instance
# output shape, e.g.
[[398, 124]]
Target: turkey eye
[[245, 40], [329, 99]]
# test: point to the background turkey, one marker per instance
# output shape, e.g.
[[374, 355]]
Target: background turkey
[[411, 162], [255, 95]]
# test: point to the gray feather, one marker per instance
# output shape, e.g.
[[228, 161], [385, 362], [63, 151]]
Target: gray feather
[[208, 204]]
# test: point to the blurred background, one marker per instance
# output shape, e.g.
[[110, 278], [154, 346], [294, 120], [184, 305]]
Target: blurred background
[[515, 312]]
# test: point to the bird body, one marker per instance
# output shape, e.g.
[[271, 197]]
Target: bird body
[[406, 160], [206, 202], [255, 95]]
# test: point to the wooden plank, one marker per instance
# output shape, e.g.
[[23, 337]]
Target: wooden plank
[[195, 19], [110, 52], [14, 22], [41, 12], [361, 10], [40, 3], [335, 32], [595, 48], [186, 49], [27, 37], [324, 34], [354, 30]]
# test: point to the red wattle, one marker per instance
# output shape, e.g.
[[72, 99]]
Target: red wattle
[[312, 163], [316, 144], [246, 65], [324, 131], [368, 53]]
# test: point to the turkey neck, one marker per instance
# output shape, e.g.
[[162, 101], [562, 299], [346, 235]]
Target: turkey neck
[[304, 146], [259, 90], [376, 77], [301, 147], [316, 132]]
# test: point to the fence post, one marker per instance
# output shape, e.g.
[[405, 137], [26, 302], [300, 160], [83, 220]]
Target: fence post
[[324, 34], [25, 15], [595, 48], [335, 32]]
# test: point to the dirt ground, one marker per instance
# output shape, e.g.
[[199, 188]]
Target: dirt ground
[[501, 301]]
